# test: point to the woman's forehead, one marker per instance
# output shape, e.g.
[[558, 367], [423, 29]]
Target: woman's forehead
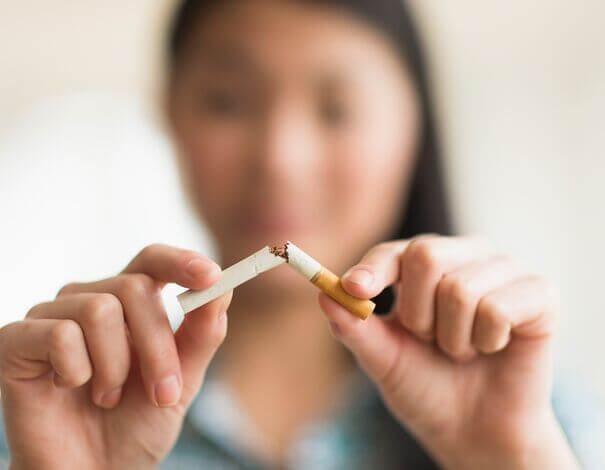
[[265, 37]]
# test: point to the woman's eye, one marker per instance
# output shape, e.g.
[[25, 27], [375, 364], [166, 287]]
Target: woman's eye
[[224, 103]]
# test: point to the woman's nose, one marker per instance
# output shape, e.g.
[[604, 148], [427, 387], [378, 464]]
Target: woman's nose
[[289, 146]]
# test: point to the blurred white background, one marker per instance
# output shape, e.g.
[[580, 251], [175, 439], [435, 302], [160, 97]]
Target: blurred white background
[[87, 175]]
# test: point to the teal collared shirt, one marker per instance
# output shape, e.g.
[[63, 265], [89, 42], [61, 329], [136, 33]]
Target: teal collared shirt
[[359, 433]]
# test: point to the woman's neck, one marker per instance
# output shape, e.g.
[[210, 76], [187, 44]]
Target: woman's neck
[[282, 366]]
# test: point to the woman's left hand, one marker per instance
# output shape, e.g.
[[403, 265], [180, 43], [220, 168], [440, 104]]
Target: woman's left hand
[[464, 360]]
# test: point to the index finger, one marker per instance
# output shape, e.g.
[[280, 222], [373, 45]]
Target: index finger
[[166, 263]]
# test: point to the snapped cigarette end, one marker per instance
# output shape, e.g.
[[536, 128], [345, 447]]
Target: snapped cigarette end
[[281, 251], [324, 279]]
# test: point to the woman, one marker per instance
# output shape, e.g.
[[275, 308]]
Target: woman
[[307, 121]]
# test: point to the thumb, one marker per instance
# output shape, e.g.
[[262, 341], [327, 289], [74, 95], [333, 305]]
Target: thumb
[[374, 342], [197, 339]]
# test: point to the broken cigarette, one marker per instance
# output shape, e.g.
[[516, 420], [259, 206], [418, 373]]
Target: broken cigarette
[[242, 271], [269, 258], [326, 280]]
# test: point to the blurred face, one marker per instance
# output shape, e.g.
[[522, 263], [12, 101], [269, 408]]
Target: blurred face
[[293, 122]]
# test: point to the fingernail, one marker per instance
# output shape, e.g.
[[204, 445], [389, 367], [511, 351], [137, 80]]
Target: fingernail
[[361, 277], [111, 398], [197, 267], [167, 391]]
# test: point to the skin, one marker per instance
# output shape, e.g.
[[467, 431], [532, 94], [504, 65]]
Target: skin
[[275, 145]]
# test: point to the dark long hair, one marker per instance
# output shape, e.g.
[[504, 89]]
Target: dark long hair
[[426, 209]]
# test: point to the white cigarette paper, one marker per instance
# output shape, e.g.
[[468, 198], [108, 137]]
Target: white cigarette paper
[[235, 275], [302, 262]]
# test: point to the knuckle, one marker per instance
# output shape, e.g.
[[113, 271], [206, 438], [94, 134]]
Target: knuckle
[[136, 285], [457, 293], [150, 251], [67, 289], [490, 310], [101, 310], [422, 256], [488, 320], [64, 336], [35, 311], [72, 374], [491, 331]]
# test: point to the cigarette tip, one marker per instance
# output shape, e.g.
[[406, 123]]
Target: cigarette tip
[[281, 251]]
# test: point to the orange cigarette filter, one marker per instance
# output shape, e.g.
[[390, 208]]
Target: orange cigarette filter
[[329, 283]]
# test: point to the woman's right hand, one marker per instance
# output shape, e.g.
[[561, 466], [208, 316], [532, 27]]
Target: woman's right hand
[[96, 379]]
